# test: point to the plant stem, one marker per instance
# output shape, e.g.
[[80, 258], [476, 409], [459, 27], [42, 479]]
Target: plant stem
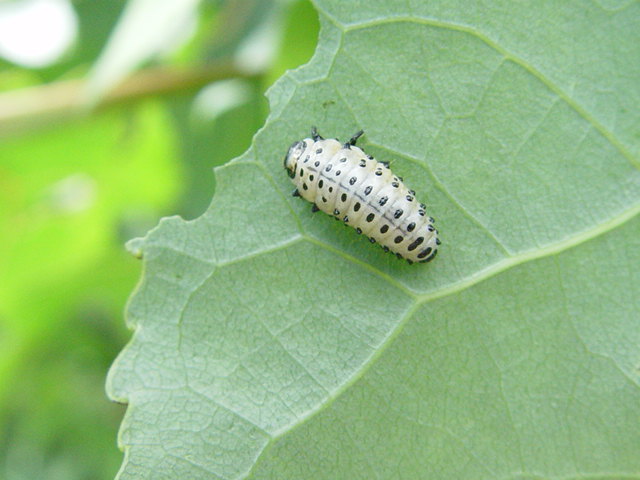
[[44, 105]]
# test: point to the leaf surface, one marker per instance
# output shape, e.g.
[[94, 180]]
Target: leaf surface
[[273, 343]]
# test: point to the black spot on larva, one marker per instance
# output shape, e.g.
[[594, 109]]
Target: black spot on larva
[[370, 157], [324, 200], [343, 159], [378, 172], [425, 252], [398, 213], [398, 239], [359, 230], [386, 164], [432, 220], [314, 208], [304, 186], [338, 172], [367, 190], [345, 219], [306, 159], [328, 168], [330, 189], [336, 212], [423, 206], [415, 244], [398, 255], [319, 151], [370, 217], [395, 184], [302, 172], [352, 180], [317, 164], [383, 200], [372, 240], [385, 248], [401, 179], [295, 193], [343, 197], [320, 183], [421, 213], [409, 198], [430, 257], [431, 228], [409, 262], [438, 242], [411, 227], [412, 192], [311, 177], [384, 229], [363, 163], [356, 207]]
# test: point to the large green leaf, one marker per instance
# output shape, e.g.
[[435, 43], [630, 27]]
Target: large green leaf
[[273, 343]]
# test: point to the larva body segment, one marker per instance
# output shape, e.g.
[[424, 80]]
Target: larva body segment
[[343, 181]]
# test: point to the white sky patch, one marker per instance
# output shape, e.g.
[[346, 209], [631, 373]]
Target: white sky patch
[[35, 33]]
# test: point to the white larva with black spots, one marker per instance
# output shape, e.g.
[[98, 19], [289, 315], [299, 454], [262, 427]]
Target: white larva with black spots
[[343, 181]]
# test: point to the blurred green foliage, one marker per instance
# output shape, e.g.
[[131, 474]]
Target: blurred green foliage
[[75, 186]]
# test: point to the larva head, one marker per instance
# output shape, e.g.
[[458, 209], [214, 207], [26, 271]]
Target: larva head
[[293, 155]]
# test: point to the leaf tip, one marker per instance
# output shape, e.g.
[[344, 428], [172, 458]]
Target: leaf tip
[[134, 247]]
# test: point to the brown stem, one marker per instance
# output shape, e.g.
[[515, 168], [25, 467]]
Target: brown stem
[[43, 105]]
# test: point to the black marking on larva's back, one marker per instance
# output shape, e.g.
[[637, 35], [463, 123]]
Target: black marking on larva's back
[[415, 244], [342, 179]]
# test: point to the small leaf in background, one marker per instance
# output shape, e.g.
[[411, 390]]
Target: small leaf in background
[[273, 343], [146, 29]]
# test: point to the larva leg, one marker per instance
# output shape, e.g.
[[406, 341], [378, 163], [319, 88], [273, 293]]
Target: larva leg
[[315, 135], [352, 141]]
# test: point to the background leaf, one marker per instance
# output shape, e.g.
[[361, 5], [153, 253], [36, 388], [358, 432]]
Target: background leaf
[[75, 185], [145, 30], [270, 343]]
